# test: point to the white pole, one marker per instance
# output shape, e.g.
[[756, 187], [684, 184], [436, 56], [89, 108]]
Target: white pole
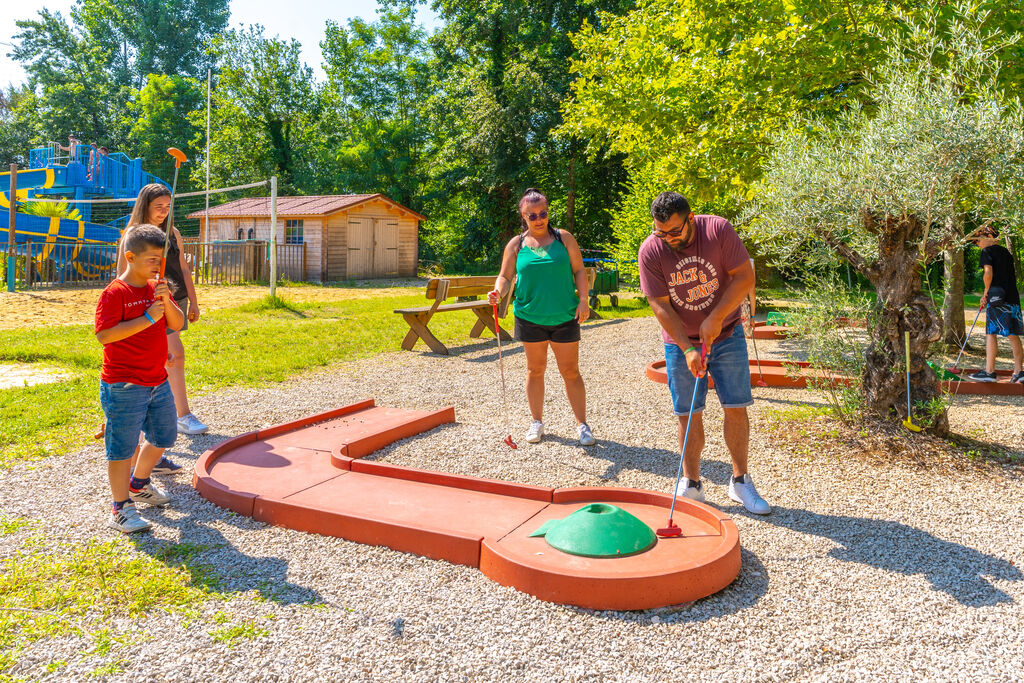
[[273, 235], [206, 217]]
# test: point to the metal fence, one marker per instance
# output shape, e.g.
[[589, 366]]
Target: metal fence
[[80, 264]]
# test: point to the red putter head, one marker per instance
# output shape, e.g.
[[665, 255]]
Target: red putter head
[[669, 531]]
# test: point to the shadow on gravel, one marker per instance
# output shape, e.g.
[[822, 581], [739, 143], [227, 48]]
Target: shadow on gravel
[[212, 561], [654, 460], [743, 593], [955, 569]]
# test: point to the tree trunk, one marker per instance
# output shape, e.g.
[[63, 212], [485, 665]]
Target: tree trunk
[[953, 322], [902, 306]]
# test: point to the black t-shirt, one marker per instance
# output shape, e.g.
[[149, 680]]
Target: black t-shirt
[[1004, 277], [175, 278]]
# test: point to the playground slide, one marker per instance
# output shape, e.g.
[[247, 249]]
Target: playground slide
[[68, 243]]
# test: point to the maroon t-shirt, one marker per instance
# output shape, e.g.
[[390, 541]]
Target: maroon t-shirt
[[142, 357], [694, 278]]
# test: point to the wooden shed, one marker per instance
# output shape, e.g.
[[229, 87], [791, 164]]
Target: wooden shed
[[343, 235]]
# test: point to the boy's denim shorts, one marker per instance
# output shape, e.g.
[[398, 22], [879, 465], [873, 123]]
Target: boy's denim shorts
[[132, 409], [728, 365]]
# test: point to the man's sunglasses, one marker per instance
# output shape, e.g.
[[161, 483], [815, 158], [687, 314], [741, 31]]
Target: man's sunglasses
[[535, 216], [670, 233]]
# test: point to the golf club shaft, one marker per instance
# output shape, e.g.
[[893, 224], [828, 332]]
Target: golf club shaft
[[682, 455], [170, 223], [906, 338], [501, 368], [757, 356], [966, 339]]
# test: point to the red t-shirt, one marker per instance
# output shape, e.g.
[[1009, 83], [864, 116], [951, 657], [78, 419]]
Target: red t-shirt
[[140, 358], [694, 278]]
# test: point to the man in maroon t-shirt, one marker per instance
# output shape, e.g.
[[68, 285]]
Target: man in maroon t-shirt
[[132, 318], [696, 273]]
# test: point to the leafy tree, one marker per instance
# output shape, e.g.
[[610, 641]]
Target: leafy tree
[[378, 81], [886, 189], [266, 105], [69, 73], [143, 37], [162, 119], [503, 74], [16, 103]]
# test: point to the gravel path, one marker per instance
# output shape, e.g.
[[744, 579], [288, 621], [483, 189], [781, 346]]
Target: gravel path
[[861, 572]]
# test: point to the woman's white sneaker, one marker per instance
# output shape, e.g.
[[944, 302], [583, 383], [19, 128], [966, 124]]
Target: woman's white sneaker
[[535, 431], [586, 437], [744, 492]]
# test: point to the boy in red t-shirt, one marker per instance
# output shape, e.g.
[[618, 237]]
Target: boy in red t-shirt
[[132, 318]]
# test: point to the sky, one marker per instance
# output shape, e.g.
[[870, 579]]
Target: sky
[[303, 20]]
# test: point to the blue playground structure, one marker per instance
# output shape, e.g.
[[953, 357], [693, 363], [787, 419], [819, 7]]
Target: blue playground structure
[[78, 249]]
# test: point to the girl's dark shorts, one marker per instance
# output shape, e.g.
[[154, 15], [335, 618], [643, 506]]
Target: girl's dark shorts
[[563, 333]]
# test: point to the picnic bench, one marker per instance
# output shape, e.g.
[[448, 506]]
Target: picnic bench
[[441, 289]]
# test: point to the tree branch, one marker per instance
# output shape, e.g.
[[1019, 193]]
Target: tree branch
[[851, 256]]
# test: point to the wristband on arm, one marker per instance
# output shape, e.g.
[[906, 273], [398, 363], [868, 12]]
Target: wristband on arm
[[149, 318], [692, 348]]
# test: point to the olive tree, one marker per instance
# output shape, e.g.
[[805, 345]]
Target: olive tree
[[887, 186]]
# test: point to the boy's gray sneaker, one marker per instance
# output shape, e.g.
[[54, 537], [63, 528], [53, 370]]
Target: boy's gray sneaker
[[127, 520], [744, 492], [982, 376], [190, 424], [151, 494], [1017, 377]]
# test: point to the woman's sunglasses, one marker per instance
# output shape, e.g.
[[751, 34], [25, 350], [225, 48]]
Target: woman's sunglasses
[[535, 216]]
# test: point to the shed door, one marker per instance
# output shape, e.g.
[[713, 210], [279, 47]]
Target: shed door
[[385, 247], [360, 247]]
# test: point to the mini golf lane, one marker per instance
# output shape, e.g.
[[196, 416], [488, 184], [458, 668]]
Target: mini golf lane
[[307, 475], [776, 374]]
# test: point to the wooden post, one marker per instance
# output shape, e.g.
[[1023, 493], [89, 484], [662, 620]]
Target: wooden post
[[12, 254], [28, 263], [273, 235]]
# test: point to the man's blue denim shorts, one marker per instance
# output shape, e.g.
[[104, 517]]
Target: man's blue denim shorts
[[132, 409], [728, 365]]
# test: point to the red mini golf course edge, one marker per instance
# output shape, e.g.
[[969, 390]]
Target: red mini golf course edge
[[776, 374], [309, 475]]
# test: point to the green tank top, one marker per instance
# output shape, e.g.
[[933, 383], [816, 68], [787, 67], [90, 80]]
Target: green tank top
[[545, 291]]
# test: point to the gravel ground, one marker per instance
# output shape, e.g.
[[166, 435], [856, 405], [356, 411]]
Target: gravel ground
[[861, 572]]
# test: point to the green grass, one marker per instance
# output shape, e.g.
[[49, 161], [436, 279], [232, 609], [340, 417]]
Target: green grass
[[233, 634], [252, 345], [10, 526], [51, 590]]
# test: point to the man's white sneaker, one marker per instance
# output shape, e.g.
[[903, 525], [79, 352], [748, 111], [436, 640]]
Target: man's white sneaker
[[190, 424], [151, 494], [586, 438], [744, 492], [127, 520], [686, 489], [535, 431]]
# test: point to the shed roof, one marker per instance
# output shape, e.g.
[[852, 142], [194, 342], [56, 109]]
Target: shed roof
[[311, 205]]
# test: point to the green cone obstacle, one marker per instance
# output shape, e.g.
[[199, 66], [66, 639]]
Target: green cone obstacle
[[598, 530]]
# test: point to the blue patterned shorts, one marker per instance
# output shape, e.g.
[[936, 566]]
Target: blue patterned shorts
[[1003, 320]]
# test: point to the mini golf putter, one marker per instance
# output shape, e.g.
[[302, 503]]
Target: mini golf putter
[[909, 422], [672, 529], [598, 530], [501, 368]]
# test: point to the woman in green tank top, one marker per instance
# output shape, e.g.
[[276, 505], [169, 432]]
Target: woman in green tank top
[[548, 268]]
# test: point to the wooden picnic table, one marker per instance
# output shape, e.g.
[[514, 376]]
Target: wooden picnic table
[[441, 289]]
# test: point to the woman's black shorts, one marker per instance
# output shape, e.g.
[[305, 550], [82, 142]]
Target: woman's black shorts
[[563, 333]]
